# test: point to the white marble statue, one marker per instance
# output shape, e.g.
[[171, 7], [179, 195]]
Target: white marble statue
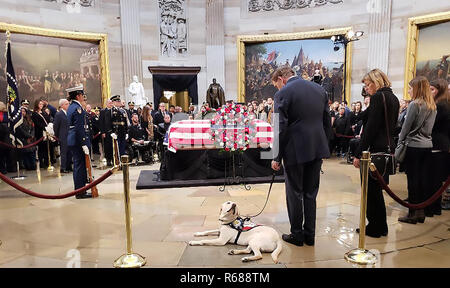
[[137, 92]]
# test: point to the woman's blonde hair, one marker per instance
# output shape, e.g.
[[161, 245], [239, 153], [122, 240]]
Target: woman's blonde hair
[[422, 92], [378, 77]]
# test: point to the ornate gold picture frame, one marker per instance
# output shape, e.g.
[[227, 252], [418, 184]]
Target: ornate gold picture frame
[[96, 38], [415, 24], [244, 40]]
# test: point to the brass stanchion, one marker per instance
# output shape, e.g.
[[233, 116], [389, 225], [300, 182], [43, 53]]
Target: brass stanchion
[[50, 167], [129, 260], [361, 255]]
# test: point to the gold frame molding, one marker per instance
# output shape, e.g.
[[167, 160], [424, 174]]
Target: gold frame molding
[[100, 39], [414, 25], [318, 34]]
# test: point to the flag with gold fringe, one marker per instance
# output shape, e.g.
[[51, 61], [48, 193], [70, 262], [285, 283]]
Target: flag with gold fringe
[[13, 101]]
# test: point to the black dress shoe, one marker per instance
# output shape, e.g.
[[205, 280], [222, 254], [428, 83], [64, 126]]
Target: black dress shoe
[[63, 171], [291, 239], [83, 196], [309, 241], [374, 234]]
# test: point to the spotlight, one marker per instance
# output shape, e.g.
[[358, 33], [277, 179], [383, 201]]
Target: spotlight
[[350, 34], [333, 38]]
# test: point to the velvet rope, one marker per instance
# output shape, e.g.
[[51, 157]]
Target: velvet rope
[[61, 196], [345, 136], [23, 147], [422, 205]]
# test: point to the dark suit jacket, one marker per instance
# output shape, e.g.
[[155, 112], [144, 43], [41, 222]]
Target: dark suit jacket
[[61, 127], [441, 128], [159, 117], [374, 135], [105, 121], [304, 122]]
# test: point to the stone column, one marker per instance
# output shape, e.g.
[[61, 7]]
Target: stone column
[[215, 47], [379, 33], [131, 43]]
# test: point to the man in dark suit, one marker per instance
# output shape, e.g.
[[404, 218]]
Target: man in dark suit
[[61, 128], [78, 138], [304, 126], [106, 130], [159, 116]]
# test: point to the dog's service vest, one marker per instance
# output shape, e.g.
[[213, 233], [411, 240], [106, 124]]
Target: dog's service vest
[[242, 225]]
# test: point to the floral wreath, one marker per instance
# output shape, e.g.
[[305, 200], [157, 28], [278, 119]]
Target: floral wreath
[[232, 117]]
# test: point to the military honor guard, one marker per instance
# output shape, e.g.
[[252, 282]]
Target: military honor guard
[[78, 137], [131, 110], [119, 124]]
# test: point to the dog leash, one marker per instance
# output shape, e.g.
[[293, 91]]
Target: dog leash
[[267, 199]]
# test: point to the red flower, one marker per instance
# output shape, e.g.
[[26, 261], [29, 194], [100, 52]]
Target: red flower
[[227, 149]]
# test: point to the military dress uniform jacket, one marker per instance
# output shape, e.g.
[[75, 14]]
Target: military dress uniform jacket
[[78, 126], [119, 121]]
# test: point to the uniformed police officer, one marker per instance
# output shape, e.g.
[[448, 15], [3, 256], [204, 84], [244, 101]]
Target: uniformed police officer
[[78, 137], [120, 123]]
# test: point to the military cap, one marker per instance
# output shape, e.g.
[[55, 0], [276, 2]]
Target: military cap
[[130, 103], [115, 98], [74, 91], [25, 102]]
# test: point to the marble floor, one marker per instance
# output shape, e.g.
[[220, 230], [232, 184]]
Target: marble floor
[[91, 232]]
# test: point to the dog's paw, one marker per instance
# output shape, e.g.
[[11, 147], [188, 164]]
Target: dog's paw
[[245, 259], [198, 234], [231, 252], [195, 243]]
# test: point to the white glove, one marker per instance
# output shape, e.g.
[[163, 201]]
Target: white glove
[[85, 149], [126, 137], [114, 136]]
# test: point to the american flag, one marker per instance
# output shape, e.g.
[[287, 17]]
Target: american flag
[[14, 112], [197, 134]]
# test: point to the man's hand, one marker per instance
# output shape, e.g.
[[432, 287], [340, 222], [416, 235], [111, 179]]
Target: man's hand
[[356, 163], [103, 135], [85, 149], [276, 165], [114, 136]]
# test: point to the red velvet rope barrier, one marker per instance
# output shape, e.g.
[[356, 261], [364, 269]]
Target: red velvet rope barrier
[[406, 204], [345, 136], [23, 147], [61, 196]]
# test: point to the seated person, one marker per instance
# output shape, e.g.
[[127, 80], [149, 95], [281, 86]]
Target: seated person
[[161, 130], [136, 136]]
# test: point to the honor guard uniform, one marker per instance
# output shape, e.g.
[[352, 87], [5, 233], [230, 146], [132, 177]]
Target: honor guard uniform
[[131, 110], [78, 138], [120, 123]]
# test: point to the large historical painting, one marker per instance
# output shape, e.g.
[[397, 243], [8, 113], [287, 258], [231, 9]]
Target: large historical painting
[[308, 57], [428, 49], [46, 66], [433, 52]]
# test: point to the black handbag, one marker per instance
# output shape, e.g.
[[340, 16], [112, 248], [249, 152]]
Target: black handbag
[[385, 161]]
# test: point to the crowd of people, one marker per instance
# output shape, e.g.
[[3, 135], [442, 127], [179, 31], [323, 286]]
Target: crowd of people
[[52, 84], [421, 124]]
